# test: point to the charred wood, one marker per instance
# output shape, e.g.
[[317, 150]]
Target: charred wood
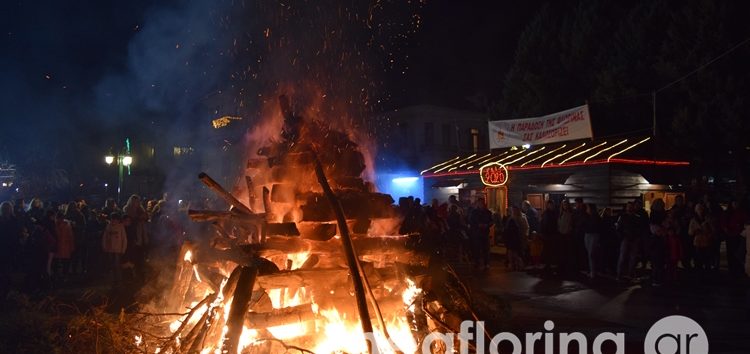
[[240, 305], [221, 192]]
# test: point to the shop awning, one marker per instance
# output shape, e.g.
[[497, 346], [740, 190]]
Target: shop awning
[[448, 183]]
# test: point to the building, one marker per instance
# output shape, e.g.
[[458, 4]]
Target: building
[[607, 172], [409, 136]]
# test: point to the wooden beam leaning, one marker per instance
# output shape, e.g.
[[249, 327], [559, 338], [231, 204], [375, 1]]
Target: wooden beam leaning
[[221, 192], [351, 255]]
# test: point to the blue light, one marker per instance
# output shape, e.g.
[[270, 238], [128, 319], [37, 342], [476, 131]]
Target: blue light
[[405, 181], [400, 185]]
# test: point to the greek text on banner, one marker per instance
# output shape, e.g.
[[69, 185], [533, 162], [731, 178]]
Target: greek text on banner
[[571, 124]]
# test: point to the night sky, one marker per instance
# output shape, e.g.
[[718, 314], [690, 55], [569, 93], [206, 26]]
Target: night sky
[[78, 77]]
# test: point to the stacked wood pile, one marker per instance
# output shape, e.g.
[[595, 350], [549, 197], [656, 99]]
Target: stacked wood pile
[[310, 190]]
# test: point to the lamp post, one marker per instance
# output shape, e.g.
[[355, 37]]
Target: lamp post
[[123, 160]]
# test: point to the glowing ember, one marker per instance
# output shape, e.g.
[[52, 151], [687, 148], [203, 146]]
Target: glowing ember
[[188, 256]]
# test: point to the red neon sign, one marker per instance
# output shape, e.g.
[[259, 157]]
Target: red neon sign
[[494, 174]]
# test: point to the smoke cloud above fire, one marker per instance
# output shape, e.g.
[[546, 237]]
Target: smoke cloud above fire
[[172, 67]]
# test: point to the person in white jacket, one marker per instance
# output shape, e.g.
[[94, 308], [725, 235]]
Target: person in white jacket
[[114, 244]]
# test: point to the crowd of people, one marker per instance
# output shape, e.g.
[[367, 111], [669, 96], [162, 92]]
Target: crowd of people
[[49, 244], [571, 237]]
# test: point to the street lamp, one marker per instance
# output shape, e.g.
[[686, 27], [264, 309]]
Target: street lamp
[[123, 160]]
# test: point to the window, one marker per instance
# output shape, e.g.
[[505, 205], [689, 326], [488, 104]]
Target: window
[[447, 135], [182, 150], [475, 139], [429, 134]]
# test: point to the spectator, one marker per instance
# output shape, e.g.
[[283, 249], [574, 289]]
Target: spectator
[[579, 253], [114, 244], [565, 230], [480, 220], [10, 235], [78, 223], [513, 235], [673, 245], [549, 232], [110, 206], [36, 211], [65, 245], [137, 233], [40, 245], [532, 216], [657, 240], [702, 232], [732, 225], [592, 238], [681, 218], [610, 243], [629, 229]]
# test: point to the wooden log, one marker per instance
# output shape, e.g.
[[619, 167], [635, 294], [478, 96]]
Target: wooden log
[[317, 231], [364, 245], [267, 210], [250, 192], [240, 304], [282, 192], [278, 317], [221, 192], [182, 276], [303, 278], [351, 255], [311, 262], [213, 215], [282, 229]]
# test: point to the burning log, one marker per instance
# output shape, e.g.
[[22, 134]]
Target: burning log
[[282, 229], [317, 231], [282, 192], [278, 317], [240, 304], [250, 191], [386, 249], [211, 215], [303, 277], [221, 192], [351, 255]]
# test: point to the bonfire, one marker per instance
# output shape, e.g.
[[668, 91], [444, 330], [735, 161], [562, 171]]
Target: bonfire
[[311, 261]]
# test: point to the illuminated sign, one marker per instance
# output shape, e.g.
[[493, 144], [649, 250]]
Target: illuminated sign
[[494, 174]]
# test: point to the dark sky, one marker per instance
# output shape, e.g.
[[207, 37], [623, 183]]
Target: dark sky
[[76, 74]]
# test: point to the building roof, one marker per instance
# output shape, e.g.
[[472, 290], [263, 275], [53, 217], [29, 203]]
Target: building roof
[[636, 151]]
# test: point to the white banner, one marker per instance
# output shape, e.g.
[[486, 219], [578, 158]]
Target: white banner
[[571, 124]]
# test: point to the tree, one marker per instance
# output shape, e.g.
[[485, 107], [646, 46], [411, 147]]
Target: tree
[[616, 57]]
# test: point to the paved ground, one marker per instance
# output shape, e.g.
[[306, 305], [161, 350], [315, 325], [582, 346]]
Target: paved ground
[[718, 302]]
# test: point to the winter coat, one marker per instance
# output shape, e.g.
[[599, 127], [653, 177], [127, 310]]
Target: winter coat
[[138, 218], [65, 239], [565, 223], [114, 239]]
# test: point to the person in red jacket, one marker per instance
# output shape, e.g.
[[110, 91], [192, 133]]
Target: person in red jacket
[[65, 243]]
